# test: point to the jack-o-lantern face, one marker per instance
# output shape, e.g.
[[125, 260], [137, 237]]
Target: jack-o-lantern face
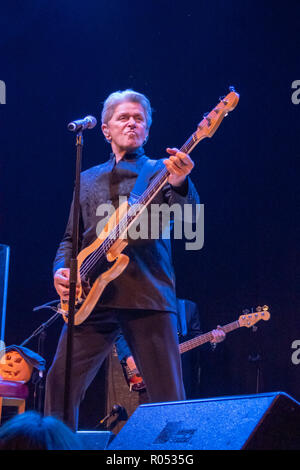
[[14, 367]]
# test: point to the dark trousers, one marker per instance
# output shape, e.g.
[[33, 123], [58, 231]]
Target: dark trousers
[[152, 338]]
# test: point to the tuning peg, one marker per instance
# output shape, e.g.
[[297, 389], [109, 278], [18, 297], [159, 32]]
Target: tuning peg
[[265, 307], [231, 88], [246, 311], [222, 99], [258, 309], [205, 116]]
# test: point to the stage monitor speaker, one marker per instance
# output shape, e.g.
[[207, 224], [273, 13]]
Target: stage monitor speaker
[[262, 421], [4, 264], [95, 440]]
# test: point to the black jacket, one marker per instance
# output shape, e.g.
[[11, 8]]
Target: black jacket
[[148, 282]]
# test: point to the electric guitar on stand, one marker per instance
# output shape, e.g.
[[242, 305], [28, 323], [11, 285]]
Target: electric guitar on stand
[[103, 260]]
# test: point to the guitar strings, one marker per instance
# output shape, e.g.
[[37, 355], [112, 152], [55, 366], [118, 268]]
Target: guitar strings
[[198, 340], [115, 234], [93, 259], [90, 262]]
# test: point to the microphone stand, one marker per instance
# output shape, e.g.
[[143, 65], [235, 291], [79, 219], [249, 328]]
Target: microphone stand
[[118, 410], [256, 358], [73, 279], [41, 332]]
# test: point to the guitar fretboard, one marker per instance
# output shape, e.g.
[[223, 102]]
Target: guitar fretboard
[[154, 187], [206, 337], [134, 211]]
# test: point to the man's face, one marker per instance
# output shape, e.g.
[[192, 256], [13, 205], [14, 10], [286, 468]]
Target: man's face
[[127, 129]]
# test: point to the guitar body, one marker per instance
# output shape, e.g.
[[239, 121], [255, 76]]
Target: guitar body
[[114, 264]]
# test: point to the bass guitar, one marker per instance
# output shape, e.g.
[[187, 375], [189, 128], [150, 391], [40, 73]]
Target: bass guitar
[[133, 377]]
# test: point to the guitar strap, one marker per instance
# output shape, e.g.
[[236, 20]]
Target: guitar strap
[[142, 180]]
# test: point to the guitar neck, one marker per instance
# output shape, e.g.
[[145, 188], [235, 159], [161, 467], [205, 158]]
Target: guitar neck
[[206, 337], [142, 202], [193, 343], [163, 175], [244, 320]]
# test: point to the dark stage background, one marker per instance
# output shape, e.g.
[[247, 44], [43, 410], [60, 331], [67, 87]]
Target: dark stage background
[[60, 60]]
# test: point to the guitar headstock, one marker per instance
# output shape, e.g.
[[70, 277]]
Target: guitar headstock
[[211, 121], [248, 320]]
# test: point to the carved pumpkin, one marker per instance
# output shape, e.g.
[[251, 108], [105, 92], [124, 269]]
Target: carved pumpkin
[[14, 367]]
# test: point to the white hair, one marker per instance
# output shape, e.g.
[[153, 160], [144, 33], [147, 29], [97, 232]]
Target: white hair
[[114, 99]]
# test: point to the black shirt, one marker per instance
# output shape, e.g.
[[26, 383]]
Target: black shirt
[[148, 281]]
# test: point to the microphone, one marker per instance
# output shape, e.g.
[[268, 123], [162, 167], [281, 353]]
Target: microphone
[[81, 124], [116, 410]]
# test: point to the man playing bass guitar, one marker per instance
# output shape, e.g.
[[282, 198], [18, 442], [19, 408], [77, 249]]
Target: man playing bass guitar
[[141, 300]]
